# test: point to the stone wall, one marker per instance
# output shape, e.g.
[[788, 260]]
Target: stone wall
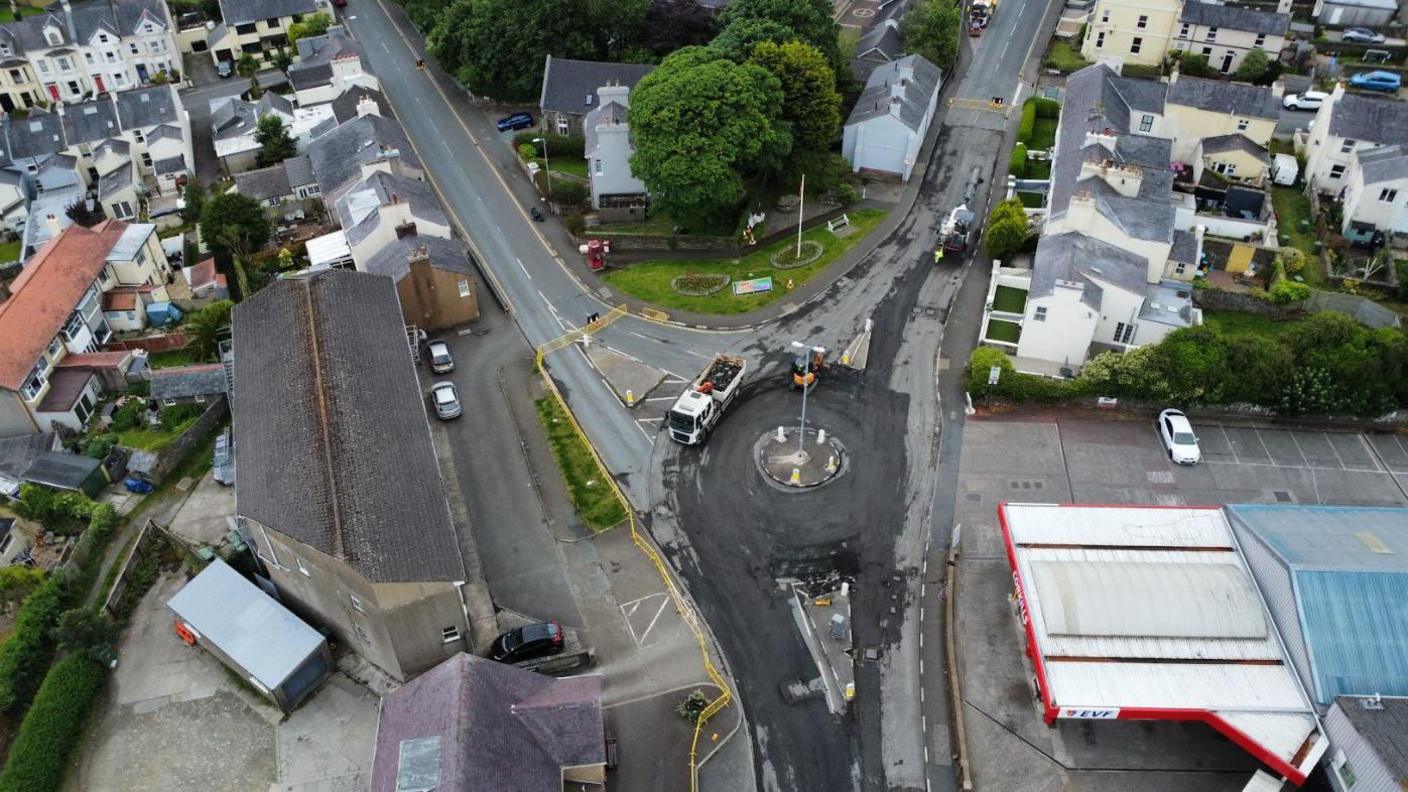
[[1219, 300], [195, 434], [153, 343]]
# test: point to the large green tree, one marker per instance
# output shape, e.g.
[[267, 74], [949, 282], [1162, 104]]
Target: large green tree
[[205, 327], [700, 122], [810, 20], [742, 36], [275, 144], [498, 47], [675, 24], [930, 28], [1007, 228], [314, 25], [810, 102], [234, 224]]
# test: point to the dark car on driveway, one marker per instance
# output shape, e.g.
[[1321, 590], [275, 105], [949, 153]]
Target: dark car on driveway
[[528, 642], [224, 69], [515, 122]]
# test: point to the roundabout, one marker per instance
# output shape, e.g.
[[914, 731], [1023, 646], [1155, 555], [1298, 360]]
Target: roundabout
[[792, 465]]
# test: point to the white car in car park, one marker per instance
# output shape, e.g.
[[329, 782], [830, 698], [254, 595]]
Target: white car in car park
[[1179, 440], [1310, 100], [446, 400]]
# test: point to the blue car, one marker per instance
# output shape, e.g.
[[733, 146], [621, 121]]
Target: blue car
[[515, 122], [1377, 81]]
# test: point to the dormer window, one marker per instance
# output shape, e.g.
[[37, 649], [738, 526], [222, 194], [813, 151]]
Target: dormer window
[[103, 38], [6, 49], [53, 36]]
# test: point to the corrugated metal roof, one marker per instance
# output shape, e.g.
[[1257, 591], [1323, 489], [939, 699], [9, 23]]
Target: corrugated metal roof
[[249, 626], [1356, 624], [1331, 537], [1040, 523]]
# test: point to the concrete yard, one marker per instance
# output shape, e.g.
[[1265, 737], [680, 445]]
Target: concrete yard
[[208, 513], [1050, 458], [175, 718]]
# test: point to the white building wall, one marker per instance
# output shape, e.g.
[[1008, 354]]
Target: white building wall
[[1066, 333], [1370, 773], [878, 144]]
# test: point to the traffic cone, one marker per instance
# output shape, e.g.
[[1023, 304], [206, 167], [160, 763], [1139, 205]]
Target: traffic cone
[[796, 479]]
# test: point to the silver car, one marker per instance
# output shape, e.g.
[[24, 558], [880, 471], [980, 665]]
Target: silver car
[[1360, 35], [440, 360], [446, 400]]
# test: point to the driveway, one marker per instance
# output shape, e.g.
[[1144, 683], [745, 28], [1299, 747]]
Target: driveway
[[175, 718], [1054, 458], [196, 100]]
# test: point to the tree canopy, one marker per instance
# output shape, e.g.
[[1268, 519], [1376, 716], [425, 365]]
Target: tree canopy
[[312, 25], [275, 144], [1007, 228], [676, 24], [810, 103], [810, 20], [1254, 65], [234, 224], [930, 28], [204, 328], [738, 39], [699, 122]]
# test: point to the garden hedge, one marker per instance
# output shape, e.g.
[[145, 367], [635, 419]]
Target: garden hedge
[[1017, 163], [26, 655], [1046, 108], [1028, 124], [53, 727]]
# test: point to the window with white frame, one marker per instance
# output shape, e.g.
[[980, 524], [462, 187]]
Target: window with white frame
[[199, 398], [1388, 195], [53, 36], [88, 56], [1105, 16], [1100, 40], [1346, 146], [1260, 39], [1242, 124], [1143, 22], [5, 543], [1180, 268], [1183, 31], [1212, 34], [65, 64], [598, 167], [135, 50], [1146, 123], [43, 66], [1040, 314], [449, 634], [172, 403], [1337, 172], [1226, 168]]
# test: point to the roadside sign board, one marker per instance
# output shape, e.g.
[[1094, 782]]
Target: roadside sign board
[[993, 374], [753, 286]]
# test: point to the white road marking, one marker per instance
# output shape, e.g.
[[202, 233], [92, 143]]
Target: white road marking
[[648, 420], [660, 398], [648, 438], [658, 611], [525, 269]]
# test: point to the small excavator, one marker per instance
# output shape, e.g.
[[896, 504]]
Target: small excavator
[[805, 368]]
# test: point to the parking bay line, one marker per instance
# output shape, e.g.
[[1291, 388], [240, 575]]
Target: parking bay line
[[1296, 467]]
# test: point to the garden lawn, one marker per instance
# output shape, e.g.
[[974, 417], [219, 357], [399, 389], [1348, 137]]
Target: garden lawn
[[1043, 134], [592, 496], [568, 166], [1237, 322], [1038, 170], [153, 438], [1064, 58], [1292, 207], [9, 251], [1009, 300], [172, 358], [650, 280], [999, 330]]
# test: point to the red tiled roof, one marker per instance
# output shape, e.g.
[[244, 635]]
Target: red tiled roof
[[202, 273], [120, 300], [45, 293], [96, 360]]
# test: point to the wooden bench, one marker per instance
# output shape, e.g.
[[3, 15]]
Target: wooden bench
[[840, 222]]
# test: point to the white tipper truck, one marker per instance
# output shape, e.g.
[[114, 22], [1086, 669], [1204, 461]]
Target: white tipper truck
[[703, 403]]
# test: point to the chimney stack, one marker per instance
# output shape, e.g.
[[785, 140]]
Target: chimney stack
[[367, 106], [68, 18], [53, 222]]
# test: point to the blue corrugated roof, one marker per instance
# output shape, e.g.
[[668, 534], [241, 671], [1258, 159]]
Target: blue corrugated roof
[[1331, 537], [1356, 628]]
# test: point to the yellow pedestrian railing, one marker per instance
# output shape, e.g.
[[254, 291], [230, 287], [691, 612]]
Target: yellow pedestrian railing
[[639, 539], [573, 336]]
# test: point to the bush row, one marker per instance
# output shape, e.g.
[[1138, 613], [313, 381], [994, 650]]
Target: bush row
[[1027, 126], [1327, 364], [53, 727]]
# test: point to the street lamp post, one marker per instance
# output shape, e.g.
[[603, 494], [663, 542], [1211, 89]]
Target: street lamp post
[[806, 374], [547, 166]]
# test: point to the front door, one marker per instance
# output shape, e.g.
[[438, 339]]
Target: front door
[[1227, 63], [98, 83], [6, 103], [142, 72], [54, 92]]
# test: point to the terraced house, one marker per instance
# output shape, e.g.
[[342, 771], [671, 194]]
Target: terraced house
[[74, 51], [256, 27], [1143, 32], [1356, 152]]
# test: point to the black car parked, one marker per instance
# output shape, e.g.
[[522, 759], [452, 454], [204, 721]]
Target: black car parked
[[528, 642]]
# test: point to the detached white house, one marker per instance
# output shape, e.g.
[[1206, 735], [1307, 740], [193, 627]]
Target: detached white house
[[887, 126], [1376, 196], [616, 191]]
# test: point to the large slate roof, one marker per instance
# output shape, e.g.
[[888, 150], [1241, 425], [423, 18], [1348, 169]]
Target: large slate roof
[[914, 96], [1231, 18], [1236, 141], [344, 107], [315, 56], [1384, 728], [116, 17], [1224, 97], [1383, 164], [149, 107], [394, 259], [489, 726], [338, 154], [264, 183], [1073, 256], [90, 122], [1374, 120], [357, 207], [17, 452], [332, 439], [569, 86], [239, 12], [183, 382]]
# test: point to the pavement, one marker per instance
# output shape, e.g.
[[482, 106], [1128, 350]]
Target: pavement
[[1059, 456], [175, 718]]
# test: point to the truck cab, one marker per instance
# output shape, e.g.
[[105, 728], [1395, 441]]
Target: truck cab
[[692, 416]]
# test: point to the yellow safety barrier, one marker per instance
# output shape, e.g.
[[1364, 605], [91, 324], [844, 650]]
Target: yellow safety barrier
[[573, 336], [655, 315], [978, 104], [687, 614]]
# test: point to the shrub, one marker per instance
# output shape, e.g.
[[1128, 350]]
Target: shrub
[[53, 727], [569, 192], [98, 446], [1028, 123], [575, 223], [141, 388], [87, 631], [1012, 384], [1017, 163], [1007, 228], [62, 512], [1194, 64], [1046, 108], [570, 146], [1288, 291], [129, 414], [846, 194], [1254, 65], [177, 414], [30, 647], [1292, 261], [527, 152]]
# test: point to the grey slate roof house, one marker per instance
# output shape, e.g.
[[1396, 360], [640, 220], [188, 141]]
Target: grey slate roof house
[[891, 118], [269, 186], [339, 484], [1233, 18], [201, 382], [472, 724], [881, 42], [338, 156], [570, 86]]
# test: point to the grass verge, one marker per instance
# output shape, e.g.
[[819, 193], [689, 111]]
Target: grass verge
[[10, 251], [1238, 322], [1009, 300], [592, 496], [566, 165], [1043, 134], [650, 280], [1064, 58]]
